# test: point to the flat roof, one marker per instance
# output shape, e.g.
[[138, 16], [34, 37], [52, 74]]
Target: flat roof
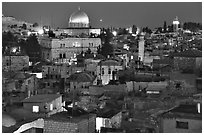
[[66, 117], [41, 98], [188, 111]]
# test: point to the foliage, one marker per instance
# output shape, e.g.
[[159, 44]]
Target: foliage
[[8, 39], [147, 30], [192, 26], [24, 26], [35, 24], [106, 48]]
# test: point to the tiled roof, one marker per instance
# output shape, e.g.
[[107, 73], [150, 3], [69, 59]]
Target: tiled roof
[[41, 98], [188, 53]]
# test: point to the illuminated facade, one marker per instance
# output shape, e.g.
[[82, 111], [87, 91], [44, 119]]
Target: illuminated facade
[[176, 24], [70, 42]]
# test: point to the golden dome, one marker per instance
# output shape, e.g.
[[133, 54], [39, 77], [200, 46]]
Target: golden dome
[[79, 19]]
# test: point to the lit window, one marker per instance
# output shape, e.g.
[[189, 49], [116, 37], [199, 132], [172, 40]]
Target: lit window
[[35, 108], [51, 107], [183, 125]]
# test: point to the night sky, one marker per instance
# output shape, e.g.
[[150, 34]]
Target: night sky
[[116, 14]]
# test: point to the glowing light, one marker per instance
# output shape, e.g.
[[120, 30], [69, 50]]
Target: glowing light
[[40, 31], [114, 33], [29, 33], [101, 20]]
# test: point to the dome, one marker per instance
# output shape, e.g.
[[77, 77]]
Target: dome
[[79, 19], [81, 77]]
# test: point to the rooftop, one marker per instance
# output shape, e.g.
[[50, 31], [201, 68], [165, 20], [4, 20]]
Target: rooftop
[[188, 53], [78, 115], [109, 62], [81, 77], [189, 111], [41, 98]]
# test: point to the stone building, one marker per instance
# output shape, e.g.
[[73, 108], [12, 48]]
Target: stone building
[[107, 70], [63, 50], [63, 122], [189, 61], [14, 62], [71, 41], [45, 103], [186, 118]]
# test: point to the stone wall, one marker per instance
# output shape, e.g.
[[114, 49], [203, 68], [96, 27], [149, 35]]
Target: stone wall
[[14, 63], [51, 126]]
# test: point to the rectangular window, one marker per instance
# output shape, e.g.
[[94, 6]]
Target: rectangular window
[[60, 55], [109, 70], [182, 125], [35, 108], [64, 55], [102, 71], [51, 107]]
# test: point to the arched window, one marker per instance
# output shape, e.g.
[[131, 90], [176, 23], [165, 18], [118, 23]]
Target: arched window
[[109, 70], [60, 55], [64, 55]]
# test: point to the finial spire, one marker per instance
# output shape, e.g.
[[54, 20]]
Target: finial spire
[[79, 8]]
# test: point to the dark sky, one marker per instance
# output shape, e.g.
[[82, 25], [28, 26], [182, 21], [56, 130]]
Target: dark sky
[[118, 14]]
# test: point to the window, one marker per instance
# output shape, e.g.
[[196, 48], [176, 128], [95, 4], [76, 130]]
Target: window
[[64, 55], [109, 70], [60, 55], [35, 108], [29, 81], [102, 71], [182, 125], [51, 107]]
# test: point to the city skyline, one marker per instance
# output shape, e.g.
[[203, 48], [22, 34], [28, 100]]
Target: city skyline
[[117, 14]]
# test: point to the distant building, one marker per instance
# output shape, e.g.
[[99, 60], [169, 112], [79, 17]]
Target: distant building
[[176, 24], [109, 119], [14, 62], [69, 42], [141, 48], [64, 122], [186, 118], [107, 70], [188, 61], [45, 103], [79, 81], [65, 49], [20, 82]]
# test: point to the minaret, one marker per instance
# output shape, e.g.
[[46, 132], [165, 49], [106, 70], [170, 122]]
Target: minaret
[[176, 24], [141, 47]]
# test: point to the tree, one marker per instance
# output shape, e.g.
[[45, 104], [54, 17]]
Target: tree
[[8, 40], [106, 48], [24, 26], [134, 29], [35, 24], [164, 27], [147, 30], [33, 48]]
